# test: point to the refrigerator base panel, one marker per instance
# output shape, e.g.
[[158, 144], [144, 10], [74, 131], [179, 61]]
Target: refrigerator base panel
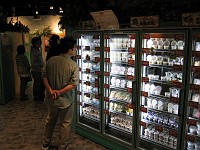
[[120, 135], [90, 123]]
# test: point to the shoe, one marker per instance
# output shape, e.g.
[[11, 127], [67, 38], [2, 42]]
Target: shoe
[[46, 146], [26, 95], [24, 98]]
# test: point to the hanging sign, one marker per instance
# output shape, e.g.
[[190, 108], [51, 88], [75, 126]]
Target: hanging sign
[[105, 19], [144, 21], [191, 19]]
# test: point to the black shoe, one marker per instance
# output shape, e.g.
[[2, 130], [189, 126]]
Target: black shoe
[[26, 95], [24, 98], [46, 146]]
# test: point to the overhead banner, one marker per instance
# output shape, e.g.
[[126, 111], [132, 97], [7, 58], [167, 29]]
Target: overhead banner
[[105, 19], [144, 21], [191, 19]]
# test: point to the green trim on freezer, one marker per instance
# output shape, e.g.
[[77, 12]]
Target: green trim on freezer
[[101, 140]]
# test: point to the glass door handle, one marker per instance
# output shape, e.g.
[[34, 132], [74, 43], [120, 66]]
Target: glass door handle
[[99, 84], [133, 87], [179, 103]]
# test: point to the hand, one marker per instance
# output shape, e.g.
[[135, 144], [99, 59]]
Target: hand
[[53, 94], [57, 93]]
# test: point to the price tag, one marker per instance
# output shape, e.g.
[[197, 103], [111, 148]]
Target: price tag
[[87, 47], [174, 100], [97, 59], [107, 60], [192, 122], [80, 69], [87, 83], [146, 36], [131, 62], [173, 133], [87, 70], [106, 112], [97, 84], [96, 96], [179, 53], [130, 106], [193, 104], [146, 50], [107, 86], [107, 74], [196, 53], [177, 67], [130, 77], [179, 37], [130, 90], [97, 72], [145, 79], [107, 49], [96, 37], [79, 93], [143, 124], [143, 109], [78, 57], [97, 49], [78, 47], [145, 94], [145, 63], [80, 81], [131, 36], [176, 84], [195, 87], [159, 128], [131, 50], [106, 99], [190, 138], [107, 36], [196, 68]]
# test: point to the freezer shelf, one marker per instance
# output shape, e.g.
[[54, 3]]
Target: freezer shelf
[[161, 84], [192, 140], [88, 90], [119, 72]]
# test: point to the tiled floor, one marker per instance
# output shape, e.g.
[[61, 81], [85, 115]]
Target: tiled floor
[[22, 124]]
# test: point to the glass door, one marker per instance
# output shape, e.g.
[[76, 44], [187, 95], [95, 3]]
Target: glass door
[[88, 90], [119, 77], [162, 80], [192, 139]]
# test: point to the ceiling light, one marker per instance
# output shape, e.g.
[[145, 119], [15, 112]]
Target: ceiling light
[[60, 10], [36, 16], [51, 11]]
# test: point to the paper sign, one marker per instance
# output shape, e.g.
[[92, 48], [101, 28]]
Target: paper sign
[[144, 21], [191, 19], [105, 19]]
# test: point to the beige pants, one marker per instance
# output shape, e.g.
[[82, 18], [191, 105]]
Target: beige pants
[[65, 117]]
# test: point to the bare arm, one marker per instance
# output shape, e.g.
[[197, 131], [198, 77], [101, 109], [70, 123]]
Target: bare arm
[[64, 90], [46, 83]]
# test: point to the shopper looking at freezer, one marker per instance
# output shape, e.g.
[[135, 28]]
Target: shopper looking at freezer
[[60, 76]]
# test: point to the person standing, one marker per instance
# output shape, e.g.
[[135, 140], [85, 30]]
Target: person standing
[[23, 69], [37, 64], [60, 76], [54, 49]]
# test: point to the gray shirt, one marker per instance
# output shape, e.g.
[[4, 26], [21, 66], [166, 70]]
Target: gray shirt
[[61, 71], [36, 59]]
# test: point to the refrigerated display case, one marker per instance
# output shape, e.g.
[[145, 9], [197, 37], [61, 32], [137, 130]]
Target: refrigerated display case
[[163, 66], [106, 91], [88, 90], [119, 85], [192, 123]]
